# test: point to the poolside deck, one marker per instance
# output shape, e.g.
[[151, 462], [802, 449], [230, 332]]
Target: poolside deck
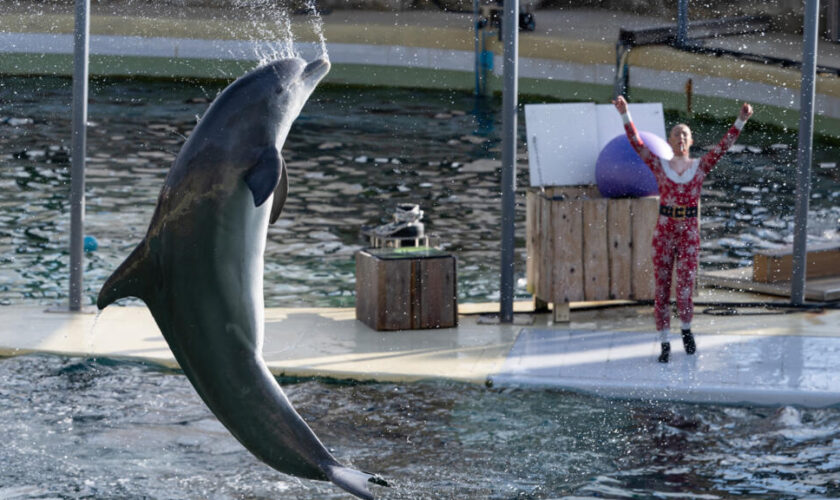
[[788, 359]]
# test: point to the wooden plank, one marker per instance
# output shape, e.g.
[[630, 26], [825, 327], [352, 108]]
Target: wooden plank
[[562, 313], [415, 294], [570, 193], [589, 193], [366, 289], [452, 275], [567, 273], [596, 266], [575, 237], [818, 289], [539, 245], [395, 284], [644, 212], [434, 301], [776, 265], [532, 229], [546, 263], [620, 247]]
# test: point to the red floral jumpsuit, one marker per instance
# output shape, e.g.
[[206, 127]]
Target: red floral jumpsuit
[[677, 237]]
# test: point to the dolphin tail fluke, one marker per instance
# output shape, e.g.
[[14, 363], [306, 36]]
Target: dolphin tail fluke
[[128, 280], [353, 481]]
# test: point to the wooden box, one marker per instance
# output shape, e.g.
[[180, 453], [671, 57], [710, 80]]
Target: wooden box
[[405, 289], [585, 247], [776, 265]]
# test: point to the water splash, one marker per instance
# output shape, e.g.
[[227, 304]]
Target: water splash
[[91, 336], [269, 29], [317, 26], [266, 29]]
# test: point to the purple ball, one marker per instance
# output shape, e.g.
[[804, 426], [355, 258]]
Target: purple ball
[[621, 173]]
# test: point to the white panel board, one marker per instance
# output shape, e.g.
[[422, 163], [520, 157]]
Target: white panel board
[[647, 116], [562, 143], [564, 139]]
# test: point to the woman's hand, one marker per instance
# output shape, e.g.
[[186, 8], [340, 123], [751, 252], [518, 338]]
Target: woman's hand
[[621, 105], [746, 112]]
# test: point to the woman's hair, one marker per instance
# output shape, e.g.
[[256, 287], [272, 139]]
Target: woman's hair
[[680, 125]]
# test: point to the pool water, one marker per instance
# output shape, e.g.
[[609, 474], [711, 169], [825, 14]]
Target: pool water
[[353, 155], [93, 428]]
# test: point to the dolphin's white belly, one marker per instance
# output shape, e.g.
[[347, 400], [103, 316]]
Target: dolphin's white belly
[[240, 244], [220, 307], [218, 284]]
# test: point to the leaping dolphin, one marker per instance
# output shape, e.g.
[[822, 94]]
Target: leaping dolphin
[[199, 268]]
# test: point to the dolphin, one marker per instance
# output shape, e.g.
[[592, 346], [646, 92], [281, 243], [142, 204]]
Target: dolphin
[[199, 268]]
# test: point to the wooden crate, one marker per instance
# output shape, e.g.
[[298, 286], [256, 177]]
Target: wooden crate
[[776, 265], [406, 290], [741, 279], [585, 247]]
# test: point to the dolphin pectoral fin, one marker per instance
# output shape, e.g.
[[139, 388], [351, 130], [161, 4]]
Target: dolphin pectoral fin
[[353, 481], [263, 177], [129, 280], [280, 193]]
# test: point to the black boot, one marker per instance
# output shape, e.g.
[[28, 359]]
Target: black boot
[[666, 352], [688, 341]]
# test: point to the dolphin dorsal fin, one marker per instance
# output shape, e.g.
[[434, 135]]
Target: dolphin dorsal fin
[[131, 279], [280, 193]]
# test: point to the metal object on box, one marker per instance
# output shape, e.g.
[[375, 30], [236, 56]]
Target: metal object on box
[[406, 230]]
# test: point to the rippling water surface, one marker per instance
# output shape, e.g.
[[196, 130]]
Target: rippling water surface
[[352, 156], [83, 428]]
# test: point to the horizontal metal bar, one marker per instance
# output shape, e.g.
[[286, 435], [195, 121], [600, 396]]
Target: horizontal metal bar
[[709, 28]]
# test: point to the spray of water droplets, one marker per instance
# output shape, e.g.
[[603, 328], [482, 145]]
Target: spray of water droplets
[[91, 336], [317, 26], [270, 30]]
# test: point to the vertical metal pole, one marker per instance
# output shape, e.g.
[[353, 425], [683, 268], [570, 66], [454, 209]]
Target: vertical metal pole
[[620, 83], [682, 22], [806, 131], [477, 53], [77, 169], [833, 20], [510, 26]]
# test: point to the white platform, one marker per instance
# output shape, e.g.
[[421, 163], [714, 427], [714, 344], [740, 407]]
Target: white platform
[[788, 359], [764, 370]]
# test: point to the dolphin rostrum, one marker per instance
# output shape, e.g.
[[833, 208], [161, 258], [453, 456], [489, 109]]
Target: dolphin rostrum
[[199, 268]]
